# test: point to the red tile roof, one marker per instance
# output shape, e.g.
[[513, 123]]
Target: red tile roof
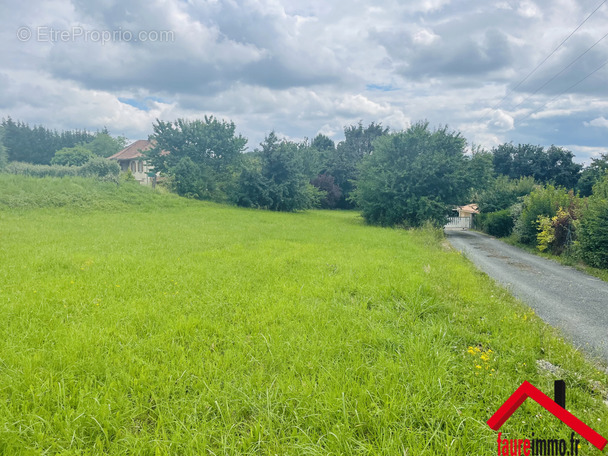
[[470, 208], [133, 151]]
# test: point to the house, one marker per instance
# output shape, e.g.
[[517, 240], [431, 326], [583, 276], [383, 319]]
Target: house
[[467, 211], [131, 158]]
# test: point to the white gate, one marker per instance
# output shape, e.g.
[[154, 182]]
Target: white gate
[[462, 223]]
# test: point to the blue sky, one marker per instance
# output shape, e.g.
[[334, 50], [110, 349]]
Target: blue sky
[[307, 67]]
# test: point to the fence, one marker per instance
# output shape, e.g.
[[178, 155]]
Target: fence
[[458, 223]]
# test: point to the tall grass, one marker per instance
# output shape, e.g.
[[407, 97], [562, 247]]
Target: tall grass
[[181, 327]]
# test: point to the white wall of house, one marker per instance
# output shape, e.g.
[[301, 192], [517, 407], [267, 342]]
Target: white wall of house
[[139, 169]]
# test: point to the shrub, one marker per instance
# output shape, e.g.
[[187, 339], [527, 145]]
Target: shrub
[[96, 167], [100, 167], [593, 238], [499, 223], [544, 201], [72, 156], [331, 193]]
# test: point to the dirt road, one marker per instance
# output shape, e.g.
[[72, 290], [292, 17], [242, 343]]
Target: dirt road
[[562, 296]]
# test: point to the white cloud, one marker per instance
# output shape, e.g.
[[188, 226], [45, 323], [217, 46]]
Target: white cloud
[[601, 122], [303, 67]]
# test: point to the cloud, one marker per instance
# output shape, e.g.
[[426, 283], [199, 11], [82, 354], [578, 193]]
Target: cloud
[[601, 122], [303, 67]]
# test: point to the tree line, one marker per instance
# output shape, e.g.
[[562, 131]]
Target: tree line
[[41, 146], [393, 177]]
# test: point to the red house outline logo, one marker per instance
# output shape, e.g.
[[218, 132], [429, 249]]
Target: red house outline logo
[[527, 390]]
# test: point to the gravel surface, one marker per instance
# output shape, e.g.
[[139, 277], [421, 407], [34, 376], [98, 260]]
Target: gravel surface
[[565, 298]]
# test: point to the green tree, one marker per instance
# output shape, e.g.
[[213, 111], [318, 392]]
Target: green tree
[[343, 164], [38, 145], [105, 145], [279, 182], [72, 156], [503, 192], [3, 154], [554, 165], [413, 176], [480, 168], [212, 147], [592, 174], [593, 236]]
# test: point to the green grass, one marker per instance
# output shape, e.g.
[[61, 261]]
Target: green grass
[[181, 327]]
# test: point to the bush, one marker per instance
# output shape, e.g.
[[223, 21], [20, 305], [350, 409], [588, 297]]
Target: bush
[[100, 167], [593, 238], [544, 201], [331, 193], [72, 156], [499, 224], [96, 167]]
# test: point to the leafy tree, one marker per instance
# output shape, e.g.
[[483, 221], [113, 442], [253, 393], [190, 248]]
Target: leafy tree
[[213, 150], [593, 237], [323, 143], [252, 186], [3, 154], [502, 192], [554, 166], [105, 145], [189, 179], [413, 176], [481, 170], [331, 192], [592, 174], [279, 183], [38, 144], [72, 156], [343, 165]]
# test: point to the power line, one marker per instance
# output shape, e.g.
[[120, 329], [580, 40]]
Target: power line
[[510, 91], [560, 72], [561, 93]]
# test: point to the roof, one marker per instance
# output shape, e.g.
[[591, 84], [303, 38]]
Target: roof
[[133, 151], [469, 208]]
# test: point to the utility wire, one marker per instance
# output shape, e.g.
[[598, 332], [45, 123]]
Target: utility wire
[[510, 91], [561, 93], [556, 75]]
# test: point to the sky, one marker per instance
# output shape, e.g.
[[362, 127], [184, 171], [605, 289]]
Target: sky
[[306, 67]]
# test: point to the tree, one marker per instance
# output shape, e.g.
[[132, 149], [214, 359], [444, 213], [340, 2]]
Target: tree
[[503, 192], [278, 181], [593, 237], [105, 145], [331, 192], [554, 166], [592, 174], [3, 154], [413, 176], [212, 147], [38, 144], [343, 163], [72, 156]]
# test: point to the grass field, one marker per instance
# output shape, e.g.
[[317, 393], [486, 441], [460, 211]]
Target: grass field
[[140, 323]]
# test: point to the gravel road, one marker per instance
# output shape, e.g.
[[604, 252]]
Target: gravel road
[[565, 298]]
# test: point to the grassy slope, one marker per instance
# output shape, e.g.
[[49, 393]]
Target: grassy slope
[[194, 328]]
